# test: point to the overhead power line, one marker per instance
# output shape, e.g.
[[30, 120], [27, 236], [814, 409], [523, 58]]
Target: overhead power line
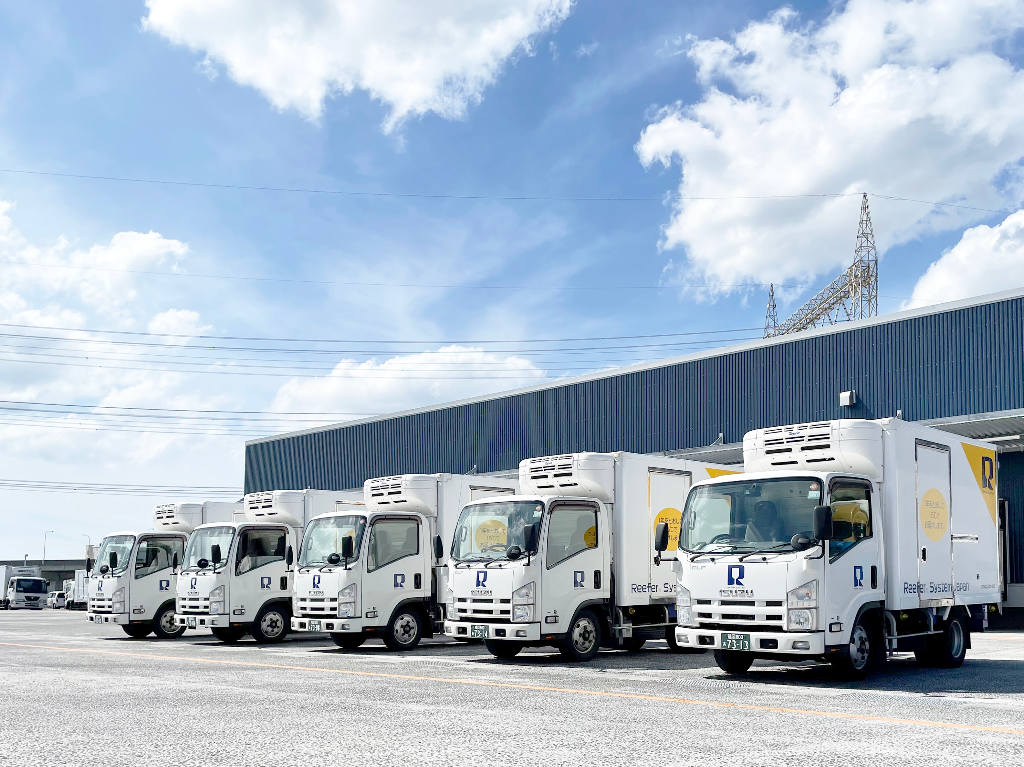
[[118, 489]]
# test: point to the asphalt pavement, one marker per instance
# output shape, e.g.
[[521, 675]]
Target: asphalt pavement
[[77, 694]]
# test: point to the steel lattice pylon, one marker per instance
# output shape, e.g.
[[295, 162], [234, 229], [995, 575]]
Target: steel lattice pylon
[[853, 295]]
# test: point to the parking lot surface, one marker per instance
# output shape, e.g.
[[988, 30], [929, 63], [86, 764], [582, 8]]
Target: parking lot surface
[[74, 693]]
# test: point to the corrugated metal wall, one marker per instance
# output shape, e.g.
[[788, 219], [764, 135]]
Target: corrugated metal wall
[[1011, 487], [969, 360]]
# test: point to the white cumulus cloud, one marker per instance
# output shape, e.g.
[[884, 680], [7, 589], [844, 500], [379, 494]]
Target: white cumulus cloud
[[416, 56], [408, 381], [910, 98], [987, 259]]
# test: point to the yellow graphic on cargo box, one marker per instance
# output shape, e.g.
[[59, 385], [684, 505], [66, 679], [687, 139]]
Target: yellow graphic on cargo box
[[934, 515], [671, 517], [492, 535], [983, 465]]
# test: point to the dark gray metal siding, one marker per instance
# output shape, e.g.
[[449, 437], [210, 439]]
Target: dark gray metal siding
[[958, 362], [1011, 487]]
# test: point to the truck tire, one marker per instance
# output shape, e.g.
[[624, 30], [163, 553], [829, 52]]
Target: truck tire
[[405, 630], [348, 641], [734, 661], [948, 649], [860, 657], [674, 646], [503, 650], [164, 626], [583, 639], [228, 634], [271, 625], [137, 630], [633, 644]]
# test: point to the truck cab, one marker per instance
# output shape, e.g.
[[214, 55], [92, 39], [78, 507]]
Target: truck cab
[[26, 593], [373, 569], [132, 584], [840, 543]]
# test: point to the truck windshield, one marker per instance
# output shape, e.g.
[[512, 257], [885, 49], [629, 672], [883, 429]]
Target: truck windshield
[[749, 516], [30, 586], [323, 538], [486, 531], [121, 545], [201, 542]]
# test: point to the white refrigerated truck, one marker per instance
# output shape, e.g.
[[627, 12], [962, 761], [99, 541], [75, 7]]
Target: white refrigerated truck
[[23, 587], [132, 584], [237, 576], [843, 541], [571, 562], [377, 570]]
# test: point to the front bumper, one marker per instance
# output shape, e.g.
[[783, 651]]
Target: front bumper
[[202, 621], [121, 619], [328, 623], [760, 642], [519, 632]]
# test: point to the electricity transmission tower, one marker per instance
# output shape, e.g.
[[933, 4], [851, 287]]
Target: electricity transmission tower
[[853, 295]]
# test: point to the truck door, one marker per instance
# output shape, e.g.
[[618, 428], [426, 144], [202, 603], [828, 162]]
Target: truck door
[[934, 510], [576, 559], [853, 575], [152, 581], [259, 570], [397, 567], [666, 494]]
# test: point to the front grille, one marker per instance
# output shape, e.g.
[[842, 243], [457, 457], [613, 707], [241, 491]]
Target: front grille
[[759, 615], [484, 618], [193, 605], [318, 607], [740, 626]]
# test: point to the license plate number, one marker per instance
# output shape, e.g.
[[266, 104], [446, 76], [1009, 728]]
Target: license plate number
[[315, 626], [735, 641], [190, 623], [478, 632]]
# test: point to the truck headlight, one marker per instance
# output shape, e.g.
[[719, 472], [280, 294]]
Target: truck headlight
[[522, 613], [117, 607], [804, 596], [802, 620], [348, 593], [217, 593], [118, 595], [449, 604], [347, 610], [217, 608], [347, 601], [684, 608], [523, 595]]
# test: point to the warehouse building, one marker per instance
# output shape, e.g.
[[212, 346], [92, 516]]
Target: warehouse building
[[957, 366]]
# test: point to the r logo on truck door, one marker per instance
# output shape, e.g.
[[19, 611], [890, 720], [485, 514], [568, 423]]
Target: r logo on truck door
[[858, 577], [399, 580], [736, 575], [579, 579], [265, 582], [481, 579], [165, 585]]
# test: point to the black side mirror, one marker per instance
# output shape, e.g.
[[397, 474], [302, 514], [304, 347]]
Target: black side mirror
[[438, 547], [113, 560], [333, 558], [823, 523], [800, 542], [289, 557], [203, 563], [513, 553], [661, 537], [215, 554], [530, 537], [348, 548], [88, 565], [104, 569], [174, 562]]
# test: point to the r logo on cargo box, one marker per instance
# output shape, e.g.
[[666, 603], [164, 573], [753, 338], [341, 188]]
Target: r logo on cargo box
[[579, 579], [736, 575], [265, 582]]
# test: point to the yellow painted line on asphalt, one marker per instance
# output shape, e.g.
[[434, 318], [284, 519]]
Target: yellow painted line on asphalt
[[531, 687], [999, 639]]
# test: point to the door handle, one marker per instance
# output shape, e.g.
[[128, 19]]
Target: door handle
[[284, 583], [417, 581], [874, 577], [597, 579], [924, 554]]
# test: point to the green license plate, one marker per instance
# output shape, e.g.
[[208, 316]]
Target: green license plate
[[478, 632], [315, 626], [735, 641]]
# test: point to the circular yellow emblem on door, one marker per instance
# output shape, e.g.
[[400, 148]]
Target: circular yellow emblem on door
[[590, 537], [672, 517], [934, 515]]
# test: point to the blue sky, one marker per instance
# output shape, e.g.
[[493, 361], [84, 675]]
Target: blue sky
[[596, 99]]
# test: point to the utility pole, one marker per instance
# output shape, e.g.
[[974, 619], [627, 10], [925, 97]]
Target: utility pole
[[44, 544]]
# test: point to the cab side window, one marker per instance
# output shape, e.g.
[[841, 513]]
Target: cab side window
[[257, 548], [391, 540], [156, 554], [571, 529], [851, 516]]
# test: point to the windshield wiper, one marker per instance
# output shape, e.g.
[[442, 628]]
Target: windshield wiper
[[473, 560], [769, 550]]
